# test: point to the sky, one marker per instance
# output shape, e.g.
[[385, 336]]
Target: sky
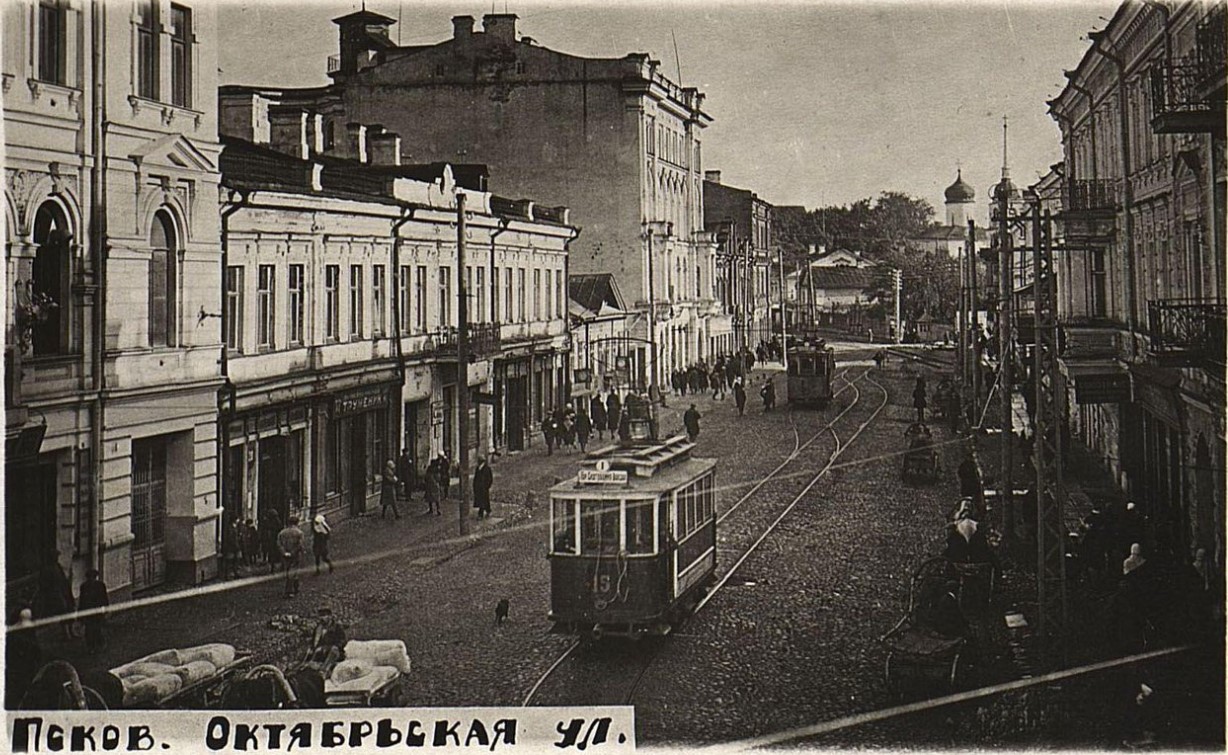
[[814, 103]]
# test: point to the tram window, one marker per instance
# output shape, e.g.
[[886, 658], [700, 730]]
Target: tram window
[[599, 527], [639, 526], [564, 525], [709, 499]]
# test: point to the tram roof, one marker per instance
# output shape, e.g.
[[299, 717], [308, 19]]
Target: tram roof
[[615, 470]]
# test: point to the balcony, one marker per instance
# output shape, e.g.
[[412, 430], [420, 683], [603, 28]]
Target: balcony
[[334, 63], [484, 340], [1187, 96], [1187, 332], [1089, 212]]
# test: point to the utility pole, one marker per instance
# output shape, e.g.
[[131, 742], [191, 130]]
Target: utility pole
[[897, 278], [1006, 342], [975, 318], [784, 319], [652, 316], [462, 362]]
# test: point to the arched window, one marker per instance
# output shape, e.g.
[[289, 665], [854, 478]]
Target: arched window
[[48, 292], [163, 245]]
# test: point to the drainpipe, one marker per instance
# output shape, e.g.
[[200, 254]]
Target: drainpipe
[[566, 319], [98, 244], [1127, 168], [226, 397], [407, 214], [494, 323]]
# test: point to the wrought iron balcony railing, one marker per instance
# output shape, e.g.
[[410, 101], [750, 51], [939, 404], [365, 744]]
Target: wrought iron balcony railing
[[1211, 45], [484, 339], [1090, 195], [1187, 332], [1187, 95]]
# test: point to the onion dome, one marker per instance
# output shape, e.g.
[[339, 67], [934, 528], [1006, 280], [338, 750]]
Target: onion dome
[[1005, 187], [959, 191]]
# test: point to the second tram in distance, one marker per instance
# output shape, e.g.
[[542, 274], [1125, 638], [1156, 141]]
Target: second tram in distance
[[810, 369], [633, 538]]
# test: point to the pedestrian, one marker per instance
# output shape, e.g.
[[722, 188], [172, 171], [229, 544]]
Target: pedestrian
[[613, 407], [320, 532], [405, 471], [739, 396], [388, 490], [232, 546], [870, 334], [768, 394], [443, 468], [55, 596], [690, 419], [584, 428], [483, 480], [918, 398], [93, 595], [717, 381], [548, 433], [270, 525], [596, 410], [251, 542], [880, 356], [290, 544], [432, 492]]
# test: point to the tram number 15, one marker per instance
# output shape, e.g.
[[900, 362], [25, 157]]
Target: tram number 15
[[601, 583]]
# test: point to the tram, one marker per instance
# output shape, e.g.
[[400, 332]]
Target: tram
[[811, 366], [633, 535]]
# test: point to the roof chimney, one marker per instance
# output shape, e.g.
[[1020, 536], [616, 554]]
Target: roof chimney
[[712, 175], [462, 27], [288, 130], [500, 26], [356, 142], [385, 149]]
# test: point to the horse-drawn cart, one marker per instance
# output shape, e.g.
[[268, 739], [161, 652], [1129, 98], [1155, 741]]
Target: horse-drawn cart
[[921, 458], [187, 678], [927, 644]]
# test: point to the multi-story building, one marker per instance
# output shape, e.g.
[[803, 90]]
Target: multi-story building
[[745, 260], [599, 327], [340, 314], [1142, 278], [613, 139], [111, 254]]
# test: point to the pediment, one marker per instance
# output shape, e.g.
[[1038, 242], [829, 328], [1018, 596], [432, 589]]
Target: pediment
[[173, 151]]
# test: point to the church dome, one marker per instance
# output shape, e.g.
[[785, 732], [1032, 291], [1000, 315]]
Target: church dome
[[960, 191]]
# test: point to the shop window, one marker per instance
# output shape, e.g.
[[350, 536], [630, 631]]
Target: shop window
[[163, 247], [49, 282], [52, 42]]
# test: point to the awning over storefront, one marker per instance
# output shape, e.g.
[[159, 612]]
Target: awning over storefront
[[1100, 381]]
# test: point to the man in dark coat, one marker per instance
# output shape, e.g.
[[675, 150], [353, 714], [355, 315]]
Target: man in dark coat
[[691, 419], [55, 592], [768, 393], [93, 595], [548, 430], [739, 397], [613, 408], [596, 410], [406, 473], [584, 428], [918, 399], [388, 490], [483, 479]]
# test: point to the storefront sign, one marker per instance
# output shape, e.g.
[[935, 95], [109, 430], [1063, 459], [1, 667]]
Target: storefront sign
[[1113, 388], [485, 398], [357, 402], [599, 477], [437, 408]]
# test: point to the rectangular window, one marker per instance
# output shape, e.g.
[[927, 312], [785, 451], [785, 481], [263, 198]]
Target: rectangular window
[[406, 314], [265, 304], [520, 293], [639, 518], [332, 302], [377, 300], [469, 294], [559, 306], [537, 294], [147, 52], [355, 302], [507, 295], [563, 520], [495, 312], [181, 56], [445, 297], [295, 291], [161, 286], [52, 41], [420, 290], [480, 290], [234, 307]]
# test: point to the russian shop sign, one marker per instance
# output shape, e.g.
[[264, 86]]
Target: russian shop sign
[[360, 401], [1111, 388]]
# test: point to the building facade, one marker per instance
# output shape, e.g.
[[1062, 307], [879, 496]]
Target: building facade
[[600, 351], [748, 283], [614, 139], [111, 254], [1142, 278], [340, 315]]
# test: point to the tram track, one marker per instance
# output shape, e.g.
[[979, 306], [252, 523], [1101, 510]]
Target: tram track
[[645, 652]]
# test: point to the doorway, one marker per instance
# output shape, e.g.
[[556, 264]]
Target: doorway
[[515, 404], [358, 464], [271, 488]]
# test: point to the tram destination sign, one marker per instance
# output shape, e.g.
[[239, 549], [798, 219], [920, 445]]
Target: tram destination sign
[[602, 477]]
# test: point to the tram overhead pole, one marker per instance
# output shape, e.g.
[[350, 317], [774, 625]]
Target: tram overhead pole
[[462, 362]]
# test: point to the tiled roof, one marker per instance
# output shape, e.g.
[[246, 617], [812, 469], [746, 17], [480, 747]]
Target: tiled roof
[[594, 290], [843, 277]]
